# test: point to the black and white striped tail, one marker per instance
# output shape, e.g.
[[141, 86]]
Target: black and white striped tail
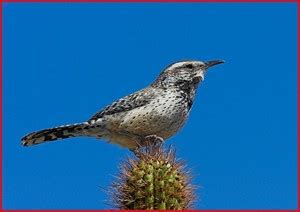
[[56, 133]]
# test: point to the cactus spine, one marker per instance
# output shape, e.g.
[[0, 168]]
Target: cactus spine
[[153, 180]]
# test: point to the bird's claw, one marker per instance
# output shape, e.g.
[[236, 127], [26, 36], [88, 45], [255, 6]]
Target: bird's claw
[[153, 139]]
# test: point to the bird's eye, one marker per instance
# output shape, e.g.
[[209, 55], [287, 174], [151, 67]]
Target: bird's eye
[[189, 66]]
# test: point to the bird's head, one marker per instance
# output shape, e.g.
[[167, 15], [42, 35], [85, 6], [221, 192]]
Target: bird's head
[[184, 74]]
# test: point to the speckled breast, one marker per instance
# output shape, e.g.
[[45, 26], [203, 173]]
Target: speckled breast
[[163, 116]]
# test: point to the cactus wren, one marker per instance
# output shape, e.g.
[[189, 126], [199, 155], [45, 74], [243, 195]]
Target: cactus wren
[[159, 110]]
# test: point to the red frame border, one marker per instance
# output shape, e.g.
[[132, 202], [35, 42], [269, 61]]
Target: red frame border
[[142, 1]]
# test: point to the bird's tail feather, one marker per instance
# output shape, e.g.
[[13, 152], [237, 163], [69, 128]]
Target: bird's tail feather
[[56, 133]]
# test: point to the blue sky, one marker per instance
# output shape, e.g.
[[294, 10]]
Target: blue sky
[[63, 62]]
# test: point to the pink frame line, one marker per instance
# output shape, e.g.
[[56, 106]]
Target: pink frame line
[[143, 1]]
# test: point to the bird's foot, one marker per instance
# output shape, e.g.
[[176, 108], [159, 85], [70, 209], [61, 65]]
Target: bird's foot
[[153, 140], [149, 143]]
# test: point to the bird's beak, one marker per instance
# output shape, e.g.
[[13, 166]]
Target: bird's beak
[[211, 63]]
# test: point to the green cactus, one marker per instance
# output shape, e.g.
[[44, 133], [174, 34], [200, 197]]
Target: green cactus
[[153, 180]]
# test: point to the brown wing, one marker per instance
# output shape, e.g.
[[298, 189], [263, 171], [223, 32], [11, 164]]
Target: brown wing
[[137, 99]]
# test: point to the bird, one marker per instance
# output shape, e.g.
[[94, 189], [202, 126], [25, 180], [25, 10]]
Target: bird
[[159, 110]]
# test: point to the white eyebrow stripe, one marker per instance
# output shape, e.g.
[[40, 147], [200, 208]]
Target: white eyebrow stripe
[[181, 64], [176, 65]]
